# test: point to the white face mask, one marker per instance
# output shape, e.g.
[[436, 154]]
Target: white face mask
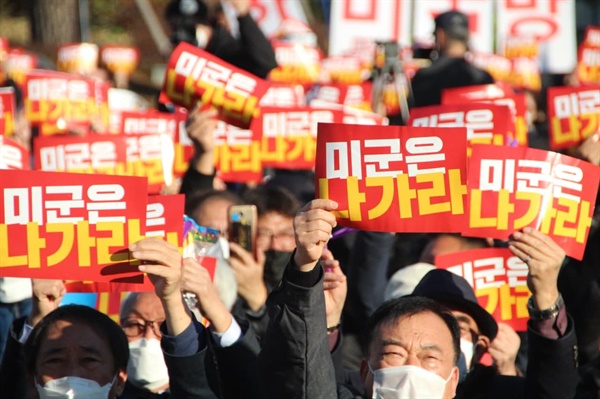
[[407, 382], [468, 349], [146, 368], [74, 388]]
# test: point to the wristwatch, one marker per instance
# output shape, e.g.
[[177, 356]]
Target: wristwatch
[[552, 312]]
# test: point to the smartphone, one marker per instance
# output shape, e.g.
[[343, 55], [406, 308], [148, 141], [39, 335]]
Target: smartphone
[[242, 226]]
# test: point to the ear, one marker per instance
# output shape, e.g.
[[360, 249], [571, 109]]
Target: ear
[[453, 383], [481, 347], [120, 381]]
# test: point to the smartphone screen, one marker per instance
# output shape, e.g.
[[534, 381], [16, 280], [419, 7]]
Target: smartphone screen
[[242, 226]]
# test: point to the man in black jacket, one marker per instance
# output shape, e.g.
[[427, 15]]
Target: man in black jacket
[[450, 69]]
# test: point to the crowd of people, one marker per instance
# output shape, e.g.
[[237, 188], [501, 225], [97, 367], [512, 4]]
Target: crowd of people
[[313, 313]]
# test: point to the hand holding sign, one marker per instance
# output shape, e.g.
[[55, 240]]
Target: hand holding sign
[[544, 258], [313, 225]]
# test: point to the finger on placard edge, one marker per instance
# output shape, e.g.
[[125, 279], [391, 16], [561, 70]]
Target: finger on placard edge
[[320, 203], [156, 270]]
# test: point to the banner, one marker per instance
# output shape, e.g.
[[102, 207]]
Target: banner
[[77, 58], [485, 123], [59, 102], [551, 22], [588, 57], [7, 111], [573, 114], [498, 94], [13, 155], [297, 63], [148, 156], [480, 14], [80, 229], [194, 75], [514, 188], [120, 59], [164, 219], [393, 178], [499, 280], [355, 20]]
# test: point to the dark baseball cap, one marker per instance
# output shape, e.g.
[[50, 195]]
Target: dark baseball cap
[[455, 292], [454, 23]]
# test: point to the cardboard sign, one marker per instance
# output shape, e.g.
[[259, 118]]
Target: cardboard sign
[[59, 102], [18, 63], [120, 59], [493, 94], [514, 188], [297, 63], [393, 178], [13, 155], [355, 20], [480, 14], [79, 58], [356, 95], [150, 156], [551, 22], [7, 111], [499, 280], [485, 123], [588, 57], [574, 114], [164, 219], [194, 75], [79, 229], [150, 122]]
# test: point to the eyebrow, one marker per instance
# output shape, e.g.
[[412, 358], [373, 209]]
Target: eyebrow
[[60, 349], [432, 346]]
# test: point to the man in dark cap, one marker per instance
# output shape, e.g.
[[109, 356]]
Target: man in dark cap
[[450, 69], [191, 21]]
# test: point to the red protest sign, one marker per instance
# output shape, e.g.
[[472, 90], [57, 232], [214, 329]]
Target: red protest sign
[[77, 58], [164, 219], [79, 229], [18, 63], [346, 69], [59, 102], [7, 111], [283, 95], [296, 63], [485, 123], [573, 113], [357, 95], [393, 178], [237, 154], [588, 57], [148, 155], [513, 188], [495, 94], [13, 155], [193, 74], [120, 59], [496, 65], [499, 280], [150, 122], [522, 51]]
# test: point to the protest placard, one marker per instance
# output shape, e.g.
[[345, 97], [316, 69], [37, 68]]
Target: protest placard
[[7, 111], [573, 114], [588, 57], [120, 59], [499, 280], [513, 188], [72, 226], [296, 63], [13, 155], [78, 58], [392, 178], [149, 155], [194, 75]]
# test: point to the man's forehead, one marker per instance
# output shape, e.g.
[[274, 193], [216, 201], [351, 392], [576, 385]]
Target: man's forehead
[[426, 326]]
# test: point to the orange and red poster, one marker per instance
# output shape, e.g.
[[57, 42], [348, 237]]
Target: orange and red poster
[[120, 59], [588, 59], [70, 226], [485, 123], [149, 155], [58, 102], [523, 53], [7, 111], [194, 75], [79, 58], [573, 114], [13, 155], [164, 219], [513, 188], [499, 280], [393, 178], [498, 94], [297, 63]]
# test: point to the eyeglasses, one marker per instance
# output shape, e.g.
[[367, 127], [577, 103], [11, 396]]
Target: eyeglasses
[[264, 238], [135, 328]]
